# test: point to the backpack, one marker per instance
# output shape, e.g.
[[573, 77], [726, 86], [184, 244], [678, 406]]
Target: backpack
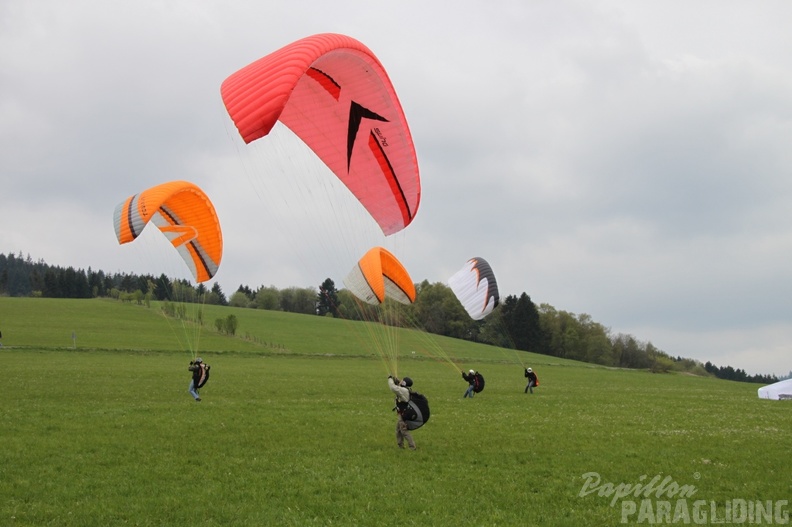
[[416, 413], [478, 382]]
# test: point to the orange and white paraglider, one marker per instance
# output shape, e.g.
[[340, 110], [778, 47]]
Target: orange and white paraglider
[[381, 286], [379, 275], [184, 214]]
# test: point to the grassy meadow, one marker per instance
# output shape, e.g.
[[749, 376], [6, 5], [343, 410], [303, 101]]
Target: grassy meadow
[[296, 429]]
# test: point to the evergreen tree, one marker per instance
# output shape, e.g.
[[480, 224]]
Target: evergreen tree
[[18, 279], [51, 288], [128, 283], [217, 295], [201, 292], [164, 288], [3, 274], [521, 319], [327, 299], [247, 291]]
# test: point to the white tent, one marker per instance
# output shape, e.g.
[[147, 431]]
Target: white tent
[[779, 390]]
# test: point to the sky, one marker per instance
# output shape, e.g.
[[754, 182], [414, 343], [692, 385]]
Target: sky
[[628, 160]]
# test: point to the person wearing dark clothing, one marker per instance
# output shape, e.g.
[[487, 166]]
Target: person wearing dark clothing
[[200, 374], [533, 380], [471, 379]]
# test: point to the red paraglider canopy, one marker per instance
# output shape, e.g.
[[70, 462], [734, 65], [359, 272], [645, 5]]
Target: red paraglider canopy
[[334, 94]]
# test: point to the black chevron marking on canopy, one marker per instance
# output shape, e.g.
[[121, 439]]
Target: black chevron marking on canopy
[[356, 114]]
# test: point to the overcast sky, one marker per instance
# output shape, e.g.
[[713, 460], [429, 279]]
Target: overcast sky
[[631, 160]]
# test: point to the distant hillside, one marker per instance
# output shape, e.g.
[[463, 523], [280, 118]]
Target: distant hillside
[[113, 325], [517, 323]]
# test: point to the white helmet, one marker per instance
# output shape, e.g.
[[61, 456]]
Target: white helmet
[[471, 371], [529, 370]]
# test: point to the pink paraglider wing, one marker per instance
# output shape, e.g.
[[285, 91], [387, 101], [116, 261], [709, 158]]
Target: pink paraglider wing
[[334, 94]]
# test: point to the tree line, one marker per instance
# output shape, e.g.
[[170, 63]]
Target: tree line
[[517, 323]]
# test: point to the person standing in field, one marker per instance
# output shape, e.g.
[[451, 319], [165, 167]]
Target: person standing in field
[[200, 374], [470, 377], [533, 380], [402, 391]]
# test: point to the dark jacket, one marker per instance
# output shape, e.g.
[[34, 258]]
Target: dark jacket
[[200, 373], [469, 377], [530, 375]]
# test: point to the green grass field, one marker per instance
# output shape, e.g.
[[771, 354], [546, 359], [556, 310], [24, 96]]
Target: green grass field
[[295, 428]]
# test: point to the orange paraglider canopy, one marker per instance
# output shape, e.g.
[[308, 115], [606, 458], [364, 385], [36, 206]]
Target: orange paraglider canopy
[[184, 214], [379, 275]]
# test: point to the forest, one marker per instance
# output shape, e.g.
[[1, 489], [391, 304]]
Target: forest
[[517, 323]]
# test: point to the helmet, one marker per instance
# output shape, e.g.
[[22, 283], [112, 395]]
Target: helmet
[[529, 370], [471, 371], [407, 382], [198, 359]]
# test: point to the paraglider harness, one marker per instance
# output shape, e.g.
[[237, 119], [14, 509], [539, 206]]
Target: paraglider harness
[[415, 411], [478, 382]]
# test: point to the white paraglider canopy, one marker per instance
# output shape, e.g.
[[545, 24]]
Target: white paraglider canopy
[[776, 391], [475, 287]]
